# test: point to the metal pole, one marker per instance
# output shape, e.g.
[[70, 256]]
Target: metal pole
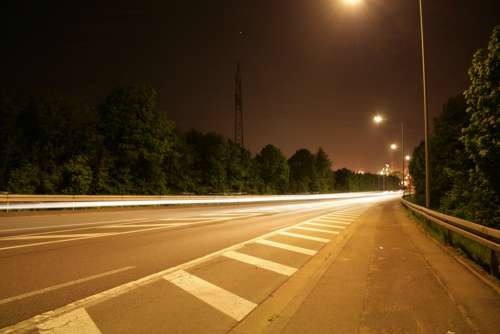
[[426, 123], [403, 155]]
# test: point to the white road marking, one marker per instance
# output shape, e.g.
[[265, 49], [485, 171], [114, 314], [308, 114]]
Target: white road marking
[[334, 220], [222, 300], [281, 245], [135, 225], [186, 218], [71, 225], [62, 285], [278, 227], [261, 263], [301, 236], [312, 229], [81, 238], [342, 217], [53, 236], [351, 213], [325, 225], [77, 321]]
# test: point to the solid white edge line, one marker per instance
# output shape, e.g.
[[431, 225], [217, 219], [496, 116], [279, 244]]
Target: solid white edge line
[[261, 263], [225, 301], [288, 247]]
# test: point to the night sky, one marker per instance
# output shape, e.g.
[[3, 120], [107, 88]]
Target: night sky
[[314, 71]]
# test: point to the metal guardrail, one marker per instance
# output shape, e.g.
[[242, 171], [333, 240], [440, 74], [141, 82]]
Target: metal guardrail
[[40, 202], [486, 236]]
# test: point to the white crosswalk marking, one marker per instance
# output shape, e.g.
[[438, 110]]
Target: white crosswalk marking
[[77, 321], [281, 245], [334, 220], [302, 236], [220, 299], [325, 225], [261, 263], [315, 230]]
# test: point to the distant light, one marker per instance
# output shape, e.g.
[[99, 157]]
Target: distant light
[[408, 158], [352, 2], [394, 146], [378, 119], [360, 172]]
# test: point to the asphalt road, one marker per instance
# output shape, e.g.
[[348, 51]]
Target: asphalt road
[[49, 260], [197, 270]]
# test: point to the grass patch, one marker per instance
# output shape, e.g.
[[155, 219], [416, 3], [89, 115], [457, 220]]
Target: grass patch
[[467, 247]]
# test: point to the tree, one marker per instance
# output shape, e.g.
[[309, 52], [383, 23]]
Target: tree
[[324, 174], [136, 139], [210, 153], [241, 170], [482, 136], [302, 172], [273, 170], [342, 177]]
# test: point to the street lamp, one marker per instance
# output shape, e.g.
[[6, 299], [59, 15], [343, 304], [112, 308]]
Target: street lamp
[[426, 122], [378, 119], [424, 97], [407, 158], [352, 2]]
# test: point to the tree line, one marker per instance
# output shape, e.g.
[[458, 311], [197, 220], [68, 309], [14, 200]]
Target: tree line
[[126, 145], [464, 148]]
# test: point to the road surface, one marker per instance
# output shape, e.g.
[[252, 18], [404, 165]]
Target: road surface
[[328, 266]]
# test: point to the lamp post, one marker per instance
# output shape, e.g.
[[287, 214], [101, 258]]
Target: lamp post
[[426, 121]]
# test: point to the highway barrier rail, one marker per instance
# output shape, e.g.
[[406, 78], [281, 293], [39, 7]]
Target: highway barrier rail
[[41, 202], [486, 236]]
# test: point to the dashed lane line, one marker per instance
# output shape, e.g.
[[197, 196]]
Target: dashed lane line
[[302, 236], [288, 247], [63, 285], [223, 300], [261, 263], [77, 321]]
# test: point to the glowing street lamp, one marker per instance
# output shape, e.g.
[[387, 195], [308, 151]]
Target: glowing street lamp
[[408, 158], [393, 147], [352, 2], [378, 119]]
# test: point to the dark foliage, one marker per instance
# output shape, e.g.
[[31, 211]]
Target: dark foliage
[[125, 145], [465, 146]]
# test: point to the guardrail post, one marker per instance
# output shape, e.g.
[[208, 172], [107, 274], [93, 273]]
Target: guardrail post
[[449, 238], [494, 264]]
